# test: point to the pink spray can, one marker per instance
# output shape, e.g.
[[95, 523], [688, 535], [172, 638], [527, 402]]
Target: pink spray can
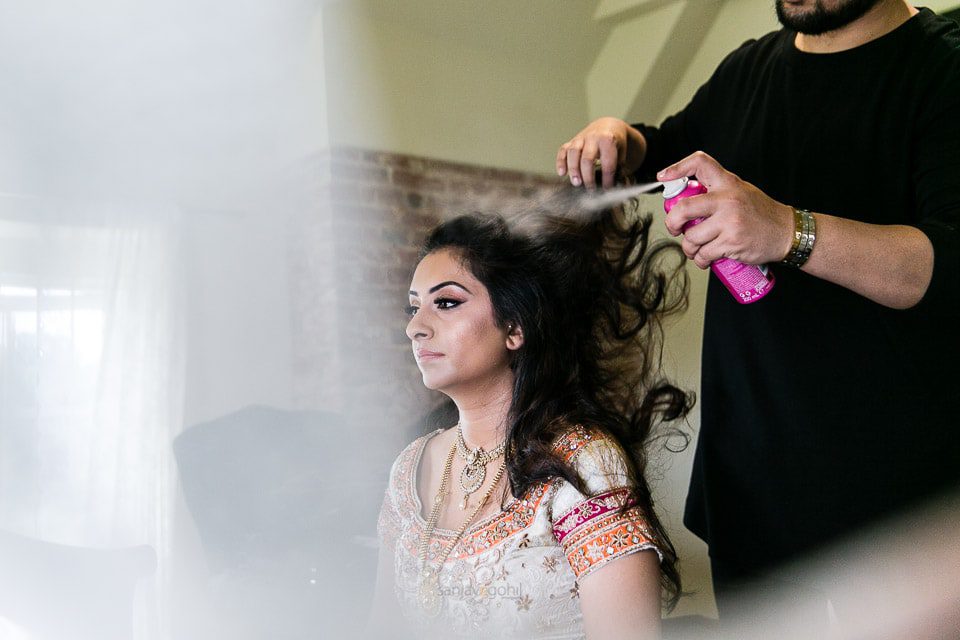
[[747, 282]]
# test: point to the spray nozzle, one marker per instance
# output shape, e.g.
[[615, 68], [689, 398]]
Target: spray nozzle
[[673, 188]]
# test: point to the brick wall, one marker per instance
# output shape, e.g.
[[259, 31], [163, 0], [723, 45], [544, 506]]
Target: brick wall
[[354, 250]]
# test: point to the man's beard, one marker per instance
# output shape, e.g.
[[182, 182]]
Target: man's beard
[[821, 20]]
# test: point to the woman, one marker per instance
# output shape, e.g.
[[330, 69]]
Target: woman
[[530, 517]]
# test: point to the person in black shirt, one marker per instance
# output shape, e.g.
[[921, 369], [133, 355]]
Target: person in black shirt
[[831, 403]]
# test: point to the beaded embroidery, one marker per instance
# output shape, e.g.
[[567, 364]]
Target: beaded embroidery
[[507, 575]]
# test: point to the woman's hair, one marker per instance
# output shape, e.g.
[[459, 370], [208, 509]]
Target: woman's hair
[[589, 296]]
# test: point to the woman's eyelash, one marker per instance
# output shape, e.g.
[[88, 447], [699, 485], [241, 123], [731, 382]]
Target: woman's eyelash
[[446, 303], [442, 303]]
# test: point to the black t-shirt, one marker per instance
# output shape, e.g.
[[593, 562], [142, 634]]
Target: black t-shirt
[[821, 410]]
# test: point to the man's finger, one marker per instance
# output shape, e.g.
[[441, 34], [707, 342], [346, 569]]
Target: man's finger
[[689, 247], [573, 164], [562, 159], [687, 209], [609, 160], [699, 164], [588, 168]]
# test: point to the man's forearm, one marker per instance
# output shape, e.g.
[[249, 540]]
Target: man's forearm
[[889, 264]]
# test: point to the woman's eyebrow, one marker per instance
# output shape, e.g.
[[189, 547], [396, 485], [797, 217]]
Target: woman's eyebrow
[[437, 287]]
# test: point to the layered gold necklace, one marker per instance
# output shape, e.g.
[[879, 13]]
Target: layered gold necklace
[[429, 595]]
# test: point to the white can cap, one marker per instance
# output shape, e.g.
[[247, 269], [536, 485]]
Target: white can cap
[[673, 188]]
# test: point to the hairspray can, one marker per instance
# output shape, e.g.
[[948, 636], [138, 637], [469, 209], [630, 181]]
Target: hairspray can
[[747, 282]]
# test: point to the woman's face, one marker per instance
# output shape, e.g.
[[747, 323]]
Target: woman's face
[[456, 341]]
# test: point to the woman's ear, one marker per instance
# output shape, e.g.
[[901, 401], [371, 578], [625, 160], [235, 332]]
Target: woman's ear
[[514, 336]]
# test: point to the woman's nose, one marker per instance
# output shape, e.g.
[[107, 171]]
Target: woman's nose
[[418, 327]]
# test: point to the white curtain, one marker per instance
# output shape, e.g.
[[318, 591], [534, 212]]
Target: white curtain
[[91, 379]]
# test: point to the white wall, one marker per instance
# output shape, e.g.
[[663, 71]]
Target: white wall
[[397, 86]]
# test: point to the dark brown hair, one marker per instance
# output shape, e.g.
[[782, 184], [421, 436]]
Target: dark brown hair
[[590, 296]]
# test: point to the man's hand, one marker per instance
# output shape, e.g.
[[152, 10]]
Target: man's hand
[[610, 141], [740, 221]]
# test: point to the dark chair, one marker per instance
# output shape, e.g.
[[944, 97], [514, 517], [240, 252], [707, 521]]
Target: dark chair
[[281, 503]]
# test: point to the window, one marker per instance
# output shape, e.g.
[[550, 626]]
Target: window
[[51, 341]]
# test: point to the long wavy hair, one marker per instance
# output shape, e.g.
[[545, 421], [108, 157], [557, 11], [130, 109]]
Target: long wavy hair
[[590, 296]]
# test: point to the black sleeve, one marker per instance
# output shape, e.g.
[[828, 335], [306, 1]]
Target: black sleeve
[[937, 180]]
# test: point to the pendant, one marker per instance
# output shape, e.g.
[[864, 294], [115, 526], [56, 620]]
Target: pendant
[[472, 477], [428, 595]]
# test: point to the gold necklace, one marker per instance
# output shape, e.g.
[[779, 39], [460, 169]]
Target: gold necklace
[[429, 595], [473, 475]]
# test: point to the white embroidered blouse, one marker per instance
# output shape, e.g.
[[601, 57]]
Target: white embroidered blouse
[[515, 573]]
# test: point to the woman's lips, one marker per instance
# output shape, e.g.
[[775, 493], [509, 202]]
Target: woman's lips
[[425, 355]]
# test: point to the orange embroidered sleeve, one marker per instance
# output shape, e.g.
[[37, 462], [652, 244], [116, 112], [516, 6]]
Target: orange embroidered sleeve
[[595, 529]]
